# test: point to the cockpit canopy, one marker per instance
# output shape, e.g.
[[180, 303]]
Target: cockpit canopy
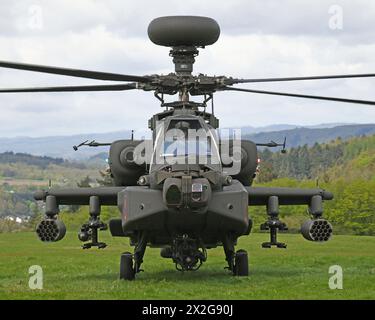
[[185, 140]]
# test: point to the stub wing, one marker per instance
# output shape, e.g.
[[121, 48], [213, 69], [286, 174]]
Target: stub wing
[[81, 196], [259, 196]]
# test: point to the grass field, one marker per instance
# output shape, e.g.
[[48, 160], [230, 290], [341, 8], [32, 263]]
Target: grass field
[[299, 272]]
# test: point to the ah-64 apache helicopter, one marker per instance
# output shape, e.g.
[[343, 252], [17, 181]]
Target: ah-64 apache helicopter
[[183, 207]]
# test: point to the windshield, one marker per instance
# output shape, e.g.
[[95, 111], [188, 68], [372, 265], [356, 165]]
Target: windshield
[[186, 142], [186, 147]]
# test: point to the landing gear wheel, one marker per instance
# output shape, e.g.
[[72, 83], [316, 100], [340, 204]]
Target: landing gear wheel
[[241, 264], [126, 267]]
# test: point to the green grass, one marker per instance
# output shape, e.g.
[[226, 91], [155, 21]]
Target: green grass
[[299, 272]]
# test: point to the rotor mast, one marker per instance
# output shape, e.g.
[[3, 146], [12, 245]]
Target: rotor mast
[[183, 59]]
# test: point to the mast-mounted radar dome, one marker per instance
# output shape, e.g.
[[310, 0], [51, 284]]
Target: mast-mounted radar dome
[[175, 31], [184, 34]]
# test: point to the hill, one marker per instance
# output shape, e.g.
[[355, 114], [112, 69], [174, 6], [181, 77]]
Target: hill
[[61, 146], [39, 161], [348, 159], [21, 174], [309, 136]]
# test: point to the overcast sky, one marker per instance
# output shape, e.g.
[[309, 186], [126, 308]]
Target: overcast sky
[[258, 39]]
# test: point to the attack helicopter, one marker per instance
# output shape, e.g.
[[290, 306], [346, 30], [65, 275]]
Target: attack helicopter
[[178, 191]]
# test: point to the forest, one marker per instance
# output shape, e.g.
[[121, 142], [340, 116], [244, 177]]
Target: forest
[[346, 168]]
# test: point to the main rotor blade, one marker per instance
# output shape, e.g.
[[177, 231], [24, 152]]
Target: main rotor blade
[[73, 72], [113, 87], [340, 76], [301, 96]]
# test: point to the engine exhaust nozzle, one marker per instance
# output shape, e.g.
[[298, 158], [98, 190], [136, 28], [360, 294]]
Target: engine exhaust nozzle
[[318, 230], [51, 230]]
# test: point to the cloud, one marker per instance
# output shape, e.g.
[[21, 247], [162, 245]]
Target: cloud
[[258, 39]]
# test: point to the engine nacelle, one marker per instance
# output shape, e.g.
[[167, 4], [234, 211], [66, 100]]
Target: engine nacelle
[[124, 169], [248, 159]]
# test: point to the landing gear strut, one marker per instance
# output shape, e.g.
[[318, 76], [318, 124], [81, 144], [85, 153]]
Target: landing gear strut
[[130, 264], [241, 264], [126, 266], [238, 262]]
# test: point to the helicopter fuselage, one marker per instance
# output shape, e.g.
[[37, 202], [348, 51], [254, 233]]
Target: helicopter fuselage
[[186, 192]]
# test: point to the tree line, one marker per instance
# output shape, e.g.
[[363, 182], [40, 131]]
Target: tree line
[[346, 168]]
